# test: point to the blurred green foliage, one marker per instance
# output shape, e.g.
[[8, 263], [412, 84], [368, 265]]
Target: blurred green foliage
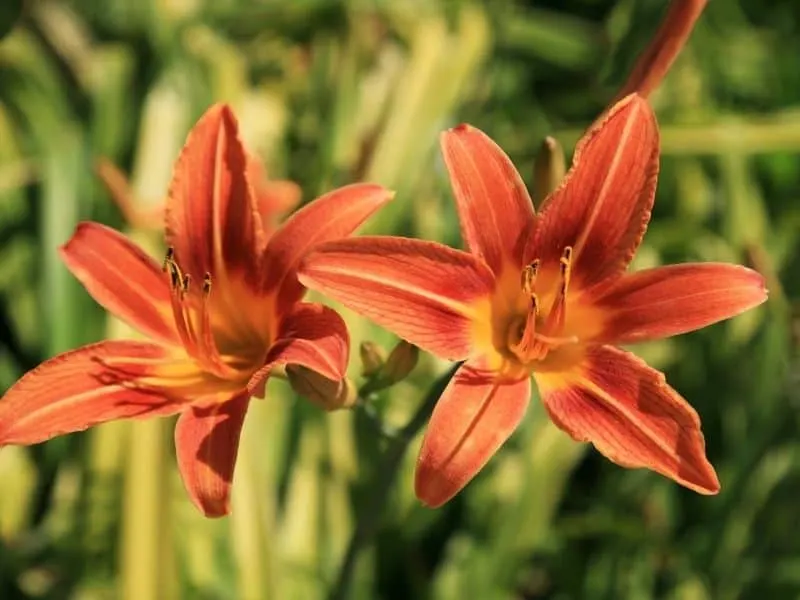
[[331, 91]]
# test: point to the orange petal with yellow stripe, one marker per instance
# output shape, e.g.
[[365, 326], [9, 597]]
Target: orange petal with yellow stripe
[[603, 206], [494, 207], [78, 389], [207, 443], [424, 292], [122, 279], [474, 417], [626, 409], [212, 220], [665, 301]]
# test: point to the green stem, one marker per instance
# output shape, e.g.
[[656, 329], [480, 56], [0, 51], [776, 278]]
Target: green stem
[[369, 515]]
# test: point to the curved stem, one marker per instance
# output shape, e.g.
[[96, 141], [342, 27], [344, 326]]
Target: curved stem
[[388, 469]]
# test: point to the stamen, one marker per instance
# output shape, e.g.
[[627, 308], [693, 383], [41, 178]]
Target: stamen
[[180, 284], [529, 274], [535, 340], [196, 336], [211, 358], [558, 310], [175, 279], [169, 259]]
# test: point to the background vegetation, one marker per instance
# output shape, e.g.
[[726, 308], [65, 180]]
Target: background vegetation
[[330, 91]]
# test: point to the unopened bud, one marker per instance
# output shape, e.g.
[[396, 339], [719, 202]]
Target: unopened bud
[[372, 358], [548, 170], [400, 363], [325, 393]]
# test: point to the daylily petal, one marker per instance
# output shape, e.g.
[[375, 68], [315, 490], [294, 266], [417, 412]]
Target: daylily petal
[[335, 215], [207, 443], [211, 216], [474, 417], [78, 389], [425, 292], [273, 198], [120, 191], [494, 207], [312, 335], [603, 206], [627, 410], [122, 279], [666, 301]]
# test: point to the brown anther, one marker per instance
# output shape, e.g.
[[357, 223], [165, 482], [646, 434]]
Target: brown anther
[[207, 284], [566, 259], [175, 279], [169, 259], [529, 277], [185, 283]]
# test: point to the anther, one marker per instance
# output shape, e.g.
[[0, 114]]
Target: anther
[[185, 283], [566, 260], [169, 259], [529, 276], [207, 284], [175, 279]]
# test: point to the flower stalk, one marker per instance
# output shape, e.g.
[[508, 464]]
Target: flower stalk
[[386, 474]]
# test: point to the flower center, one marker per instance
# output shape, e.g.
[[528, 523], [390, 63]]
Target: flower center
[[191, 310], [533, 338]]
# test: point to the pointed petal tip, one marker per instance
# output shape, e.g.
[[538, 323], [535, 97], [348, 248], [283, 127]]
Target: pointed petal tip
[[213, 509], [701, 478], [459, 129], [633, 100], [429, 489], [631, 106], [80, 230], [218, 116], [219, 110]]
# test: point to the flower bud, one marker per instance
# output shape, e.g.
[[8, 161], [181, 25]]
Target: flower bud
[[400, 363], [325, 393], [373, 358], [548, 170]]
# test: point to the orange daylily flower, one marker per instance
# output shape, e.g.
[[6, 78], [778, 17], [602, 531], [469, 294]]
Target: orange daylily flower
[[225, 309], [546, 295]]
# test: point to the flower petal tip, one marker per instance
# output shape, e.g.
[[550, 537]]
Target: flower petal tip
[[634, 100], [459, 129], [219, 110], [213, 509], [80, 231], [701, 478], [432, 490], [707, 485], [380, 194]]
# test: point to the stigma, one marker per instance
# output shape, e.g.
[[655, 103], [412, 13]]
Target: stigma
[[541, 330]]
